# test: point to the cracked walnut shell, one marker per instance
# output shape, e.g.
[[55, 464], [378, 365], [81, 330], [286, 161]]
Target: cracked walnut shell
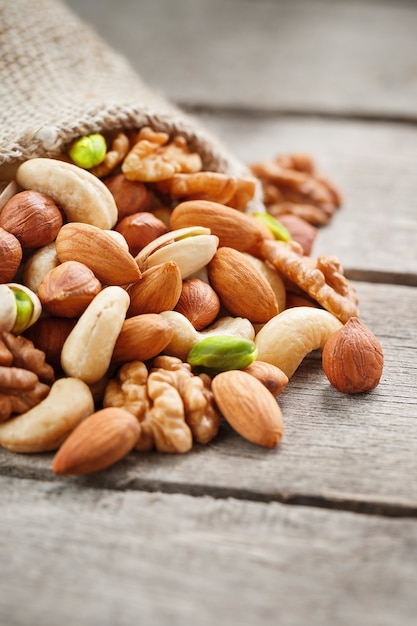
[[25, 377], [173, 406], [323, 281]]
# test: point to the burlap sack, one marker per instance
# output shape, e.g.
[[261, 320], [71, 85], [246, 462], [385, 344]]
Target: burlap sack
[[59, 80]]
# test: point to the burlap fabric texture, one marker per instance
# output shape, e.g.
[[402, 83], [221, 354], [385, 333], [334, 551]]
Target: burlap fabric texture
[[60, 80]]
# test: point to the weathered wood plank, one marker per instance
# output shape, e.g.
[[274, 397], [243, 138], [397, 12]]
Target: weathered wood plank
[[332, 57], [375, 233], [86, 557], [348, 452]]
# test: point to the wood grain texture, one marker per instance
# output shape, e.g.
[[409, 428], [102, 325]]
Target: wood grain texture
[[85, 557], [350, 58], [129, 545], [348, 452], [305, 57]]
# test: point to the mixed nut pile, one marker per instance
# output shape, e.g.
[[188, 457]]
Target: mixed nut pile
[[141, 304]]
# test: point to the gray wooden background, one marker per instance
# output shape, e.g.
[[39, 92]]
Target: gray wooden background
[[323, 530]]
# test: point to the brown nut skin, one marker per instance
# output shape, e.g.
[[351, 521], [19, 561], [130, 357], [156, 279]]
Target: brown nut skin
[[234, 229], [32, 217], [68, 289], [130, 196], [249, 407], [198, 302], [352, 358], [99, 441], [98, 249], [157, 290], [10, 255], [241, 287], [140, 229], [49, 335], [300, 230], [271, 376], [142, 337]]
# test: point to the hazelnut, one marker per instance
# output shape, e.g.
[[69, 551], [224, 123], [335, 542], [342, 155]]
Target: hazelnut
[[32, 217], [140, 229], [8, 189], [130, 196], [68, 289], [49, 335], [352, 358], [198, 302], [10, 255], [301, 231]]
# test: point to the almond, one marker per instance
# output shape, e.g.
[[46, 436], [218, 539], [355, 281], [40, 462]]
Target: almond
[[98, 250], [233, 228], [241, 287], [271, 376], [142, 337], [249, 408], [157, 290], [96, 443]]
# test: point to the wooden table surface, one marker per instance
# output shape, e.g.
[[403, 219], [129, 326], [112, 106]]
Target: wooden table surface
[[322, 530]]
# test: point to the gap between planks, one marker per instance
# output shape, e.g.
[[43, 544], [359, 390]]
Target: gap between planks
[[106, 481], [382, 278], [268, 113]]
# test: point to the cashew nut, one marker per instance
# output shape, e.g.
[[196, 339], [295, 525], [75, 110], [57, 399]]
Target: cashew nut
[[7, 308], [185, 335], [82, 196], [44, 427], [38, 265], [288, 337], [88, 349]]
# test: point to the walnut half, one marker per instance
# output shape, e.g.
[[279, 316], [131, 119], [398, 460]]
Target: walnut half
[[173, 406], [25, 377]]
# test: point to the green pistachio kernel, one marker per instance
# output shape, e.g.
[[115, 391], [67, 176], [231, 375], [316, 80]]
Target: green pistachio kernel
[[88, 151], [218, 353], [24, 311], [277, 229]]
